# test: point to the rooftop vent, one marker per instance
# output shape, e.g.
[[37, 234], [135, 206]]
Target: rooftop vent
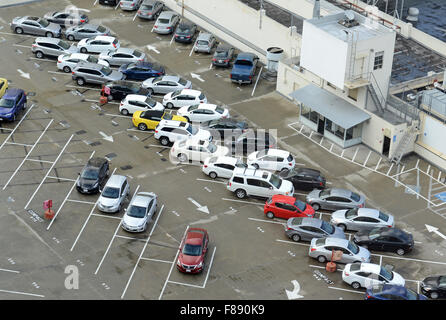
[[349, 19]]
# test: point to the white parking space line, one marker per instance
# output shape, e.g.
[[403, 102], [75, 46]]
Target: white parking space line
[[300, 194], [321, 267], [171, 40], [272, 221], [63, 179], [242, 201], [21, 45], [156, 260], [292, 242], [191, 50], [15, 128], [16, 34], [23, 293], [80, 201], [346, 290], [134, 17], [19, 144], [118, 4], [213, 181], [38, 160], [186, 284], [118, 115], [130, 238], [255, 85], [104, 216], [96, 1], [8, 270], [97, 101], [84, 88], [58, 72], [26, 157], [409, 259]]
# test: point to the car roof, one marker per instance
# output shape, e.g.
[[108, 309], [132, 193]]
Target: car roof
[[370, 267], [225, 160], [336, 241], [190, 92], [340, 192], [223, 47], [246, 56], [308, 171], [186, 23], [393, 289], [86, 26], [170, 78], [90, 65], [137, 97], [124, 50], [167, 14], [208, 106], [314, 222], [368, 212], [12, 93], [277, 152], [195, 235], [96, 162], [250, 172], [394, 232], [106, 38], [194, 142], [116, 180], [283, 198], [204, 36], [48, 40], [172, 123], [143, 199], [77, 55]]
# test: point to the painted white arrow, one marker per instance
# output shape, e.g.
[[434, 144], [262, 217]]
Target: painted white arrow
[[435, 230], [106, 137], [152, 48], [196, 76], [199, 206], [23, 74], [295, 293]]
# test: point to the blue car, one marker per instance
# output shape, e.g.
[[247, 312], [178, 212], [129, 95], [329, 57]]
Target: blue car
[[142, 70], [12, 102], [392, 292]]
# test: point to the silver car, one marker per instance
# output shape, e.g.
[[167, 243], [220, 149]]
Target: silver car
[[322, 248], [86, 31], [166, 22], [35, 26], [298, 229], [86, 72], [150, 9], [166, 84], [129, 5], [140, 212], [66, 18], [43, 46], [122, 56], [358, 219], [205, 42], [334, 199]]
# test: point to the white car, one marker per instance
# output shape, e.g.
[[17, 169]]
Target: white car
[[203, 112], [67, 62], [184, 97], [136, 102], [140, 211], [98, 44], [115, 191], [366, 275], [168, 131], [271, 159], [222, 166], [196, 150]]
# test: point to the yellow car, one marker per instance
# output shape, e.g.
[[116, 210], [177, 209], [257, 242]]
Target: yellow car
[[144, 120], [3, 86]]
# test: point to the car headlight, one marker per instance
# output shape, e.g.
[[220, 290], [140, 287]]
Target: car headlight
[[96, 185], [178, 262], [199, 265], [427, 288], [8, 114]]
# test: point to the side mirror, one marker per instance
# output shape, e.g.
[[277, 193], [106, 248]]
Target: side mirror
[[79, 173], [125, 209], [270, 188]]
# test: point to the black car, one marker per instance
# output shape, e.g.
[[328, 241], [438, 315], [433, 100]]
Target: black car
[[121, 88], [434, 287], [250, 141], [185, 32], [305, 178], [385, 239], [225, 128], [93, 176], [109, 2], [223, 55]]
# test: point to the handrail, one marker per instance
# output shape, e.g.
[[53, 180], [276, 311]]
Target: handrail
[[375, 85]]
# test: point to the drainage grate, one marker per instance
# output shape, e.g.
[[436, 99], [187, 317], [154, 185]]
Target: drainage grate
[[127, 167], [94, 144], [80, 132], [110, 156]]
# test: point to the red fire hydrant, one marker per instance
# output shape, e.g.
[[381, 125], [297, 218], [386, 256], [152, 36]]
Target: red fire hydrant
[[49, 214]]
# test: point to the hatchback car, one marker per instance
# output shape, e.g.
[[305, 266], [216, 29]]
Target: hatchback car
[[322, 250], [121, 88], [185, 97], [367, 275], [166, 84], [3, 86], [298, 229], [434, 287], [140, 212], [222, 166], [193, 249], [195, 150], [35, 26], [142, 70], [11, 103], [115, 191], [392, 292], [129, 5], [223, 55], [287, 207], [271, 159], [66, 18], [98, 44], [166, 22], [148, 120], [86, 72], [136, 102], [93, 176], [225, 128], [169, 131], [334, 199], [150, 9], [53, 47], [203, 112], [250, 141], [185, 32], [357, 219], [305, 178], [385, 239], [67, 62], [86, 31], [122, 56], [205, 42]]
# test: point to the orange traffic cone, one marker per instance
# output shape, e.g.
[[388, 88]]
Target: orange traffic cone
[[49, 214]]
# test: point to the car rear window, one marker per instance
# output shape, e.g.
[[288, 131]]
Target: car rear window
[[101, 29], [164, 21], [202, 97], [137, 53], [290, 158], [353, 247], [182, 81], [136, 212], [383, 216], [243, 63], [183, 28], [355, 197], [237, 179], [355, 266], [146, 7], [202, 42], [296, 221], [327, 227], [167, 116], [220, 110], [320, 241], [220, 54]]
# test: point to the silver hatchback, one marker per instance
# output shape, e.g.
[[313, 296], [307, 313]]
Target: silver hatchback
[[43, 46], [35, 26], [166, 84], [298, 229], [322, 249], [166, 22], [205, 42], [334, 199]]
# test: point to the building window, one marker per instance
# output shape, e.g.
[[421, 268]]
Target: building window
[[329, 126], [309, 114], [379, 58], [354, 132]]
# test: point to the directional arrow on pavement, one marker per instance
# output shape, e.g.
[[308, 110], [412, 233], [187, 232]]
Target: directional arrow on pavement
[[106, 137], [23, 74], [152, 48], [196, 76], [435, 230], [199, 206], [295, 293]]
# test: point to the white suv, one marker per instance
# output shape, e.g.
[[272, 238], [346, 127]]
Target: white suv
[[252, 182], [168, 131]]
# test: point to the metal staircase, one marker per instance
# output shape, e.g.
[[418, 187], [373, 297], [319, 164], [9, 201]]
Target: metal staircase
[[407, 139], [377, 96]]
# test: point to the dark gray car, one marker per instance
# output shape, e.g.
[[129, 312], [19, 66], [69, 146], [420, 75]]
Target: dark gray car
[[298, 229], [335, 199], [35, 26], [86, 31], [150, 9], [223, 55]]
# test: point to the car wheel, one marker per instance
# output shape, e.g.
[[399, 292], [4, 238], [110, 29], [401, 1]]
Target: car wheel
[[270, 215], [80, 81], [125, 112], [433, 295], [49, 35], [187, 119], [169, 105], [164, 141], [84, 50], [39, 54], [316, 206], [18, 30], [255, 165], [356, 285], [295, 237], [213, 175], [400, 252], [66, 69], [150, 91], [109, 97], [70, 37], [342, 226], [321, 259], [142, 126], [182, 157], [240, 193], [284, 170]]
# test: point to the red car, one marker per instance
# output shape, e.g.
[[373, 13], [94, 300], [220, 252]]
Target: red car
[[193, 248], [287, 207]]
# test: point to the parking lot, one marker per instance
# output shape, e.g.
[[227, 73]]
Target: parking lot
[[249, 256]]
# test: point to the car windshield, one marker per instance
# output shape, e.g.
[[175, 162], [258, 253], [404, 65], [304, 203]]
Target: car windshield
[[163, 21], [6, 103], [101, 29], [374, 233], [137, 53], [192, 108], [351, 213], [353, 247], [150, 102], [183, 28], [202, 42], [220, 54], [44, 23], [106, 70], [212, 148], [327, 227], [383, 216], [386, 273], [192, 250], [192, 130], [92, 59], [64, 44], [136, 212], [176, 93], [90, 174], [355, 197], [275, 181], [301, 205], [109, 192], [411, 295], [167, 116], [220, 110], [182, 81], [261, 153], [146, 7]]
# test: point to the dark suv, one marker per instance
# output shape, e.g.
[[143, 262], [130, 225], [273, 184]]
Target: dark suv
[[93, 176], [305, 178], [121, 88]]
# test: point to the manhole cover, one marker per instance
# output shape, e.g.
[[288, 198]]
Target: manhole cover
[[94, 144], [127, 167], [80, 132], [110, 156]]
